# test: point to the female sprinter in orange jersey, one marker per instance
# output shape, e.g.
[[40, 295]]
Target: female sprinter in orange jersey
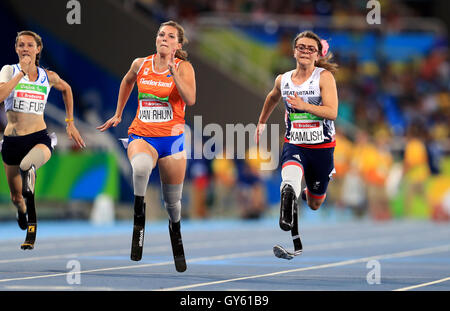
[[166, 84]]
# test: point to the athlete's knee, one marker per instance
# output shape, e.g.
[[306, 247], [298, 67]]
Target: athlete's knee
[[292, 174], [172, 193], [16, 198], [172, 200], [142, 164], [314, 205]]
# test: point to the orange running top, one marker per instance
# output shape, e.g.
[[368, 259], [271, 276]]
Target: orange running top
[[160, 109]]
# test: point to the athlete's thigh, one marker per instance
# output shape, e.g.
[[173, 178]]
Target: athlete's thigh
[[141, 146], [172, 168], [13, 178], [45, 150], [318, 170]]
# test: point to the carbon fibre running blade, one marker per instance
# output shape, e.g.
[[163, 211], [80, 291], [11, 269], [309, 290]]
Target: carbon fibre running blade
[[177, 248], [137, 243]]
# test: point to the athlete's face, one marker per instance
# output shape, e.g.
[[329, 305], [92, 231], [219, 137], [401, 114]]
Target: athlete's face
[[167, 40], [27, 46], [306, 51]]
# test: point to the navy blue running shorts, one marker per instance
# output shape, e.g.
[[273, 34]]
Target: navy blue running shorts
[[317, 166]]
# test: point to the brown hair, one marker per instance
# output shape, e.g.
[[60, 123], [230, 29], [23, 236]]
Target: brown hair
[[36, 37], [181, 54], [324, 61]]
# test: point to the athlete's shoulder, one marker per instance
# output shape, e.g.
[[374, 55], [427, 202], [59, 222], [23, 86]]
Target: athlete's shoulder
[[6, 73], [278, 78], [138, 61], [7, 67], [53, 77], [277, 84], [137, 64], [286, 75], [183, 64], [326, 75]]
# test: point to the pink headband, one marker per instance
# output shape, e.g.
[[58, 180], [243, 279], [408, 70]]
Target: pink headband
[[325, 47]]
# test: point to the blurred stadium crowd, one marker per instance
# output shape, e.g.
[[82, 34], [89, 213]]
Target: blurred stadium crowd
[[189, 10]]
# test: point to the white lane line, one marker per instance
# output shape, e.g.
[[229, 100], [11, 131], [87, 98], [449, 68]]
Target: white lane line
[[42, 245], [417, 252], [422, 285], [64, 256], [165, 263], [216, 244], [86, 271], [151, 249]]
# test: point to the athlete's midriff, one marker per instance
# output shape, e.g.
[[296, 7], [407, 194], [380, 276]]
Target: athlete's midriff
[[20, 123], [160, 110]]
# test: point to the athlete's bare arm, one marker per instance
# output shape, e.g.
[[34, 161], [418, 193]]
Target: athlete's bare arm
[[271, 101], [126, 87], [62, 86], [184, 77]]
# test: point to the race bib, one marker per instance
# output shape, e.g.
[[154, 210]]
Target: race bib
[[306, 129], [29, 98], [154, 109]]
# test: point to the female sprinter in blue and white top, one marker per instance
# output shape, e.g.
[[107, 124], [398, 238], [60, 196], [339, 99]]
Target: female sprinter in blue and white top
[[310, 97], [24, 89]]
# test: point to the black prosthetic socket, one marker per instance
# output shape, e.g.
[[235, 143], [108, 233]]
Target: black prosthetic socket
[[288, 199]]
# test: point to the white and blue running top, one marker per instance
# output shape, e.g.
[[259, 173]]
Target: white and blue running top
[[28, 96], [302, 128]]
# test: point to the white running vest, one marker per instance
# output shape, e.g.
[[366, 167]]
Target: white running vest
[[29, 96], [303, 128]]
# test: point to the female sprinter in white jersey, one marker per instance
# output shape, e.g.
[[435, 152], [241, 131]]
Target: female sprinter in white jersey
[[24, 89], [310, 98], [166, 84]]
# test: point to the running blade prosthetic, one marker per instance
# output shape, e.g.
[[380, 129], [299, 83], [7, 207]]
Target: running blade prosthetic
[[280, 252], [137, 243], [177, 246], [28, 182]]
